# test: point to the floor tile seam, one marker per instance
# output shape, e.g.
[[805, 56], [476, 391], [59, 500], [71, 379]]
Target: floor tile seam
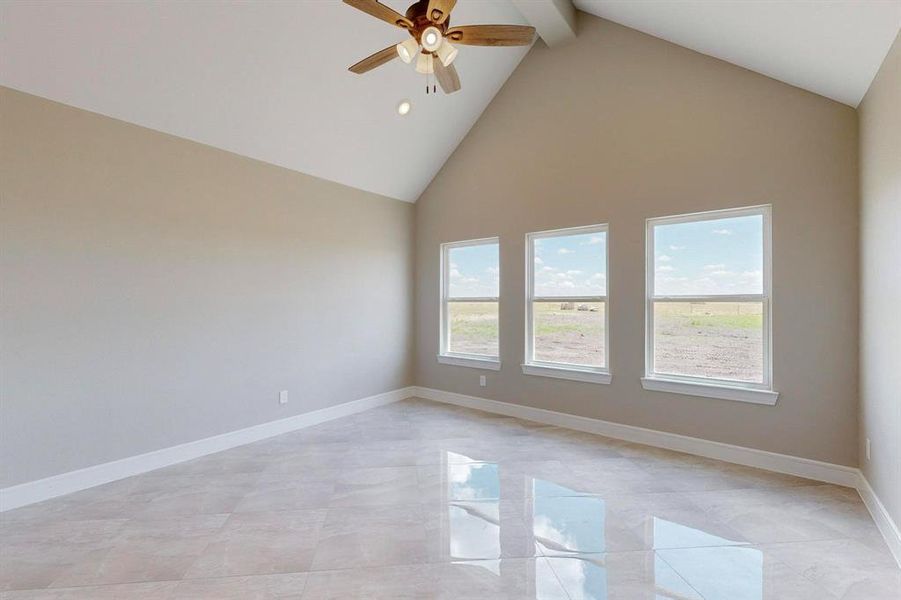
[[212, 538], [843, 538], [680, 575], [557, 578]]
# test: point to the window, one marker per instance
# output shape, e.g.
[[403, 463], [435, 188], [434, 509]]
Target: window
[[708, 306], [470, 275], [566, 304]]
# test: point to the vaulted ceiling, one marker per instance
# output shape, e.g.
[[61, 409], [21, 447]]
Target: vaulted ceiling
[[830, 47], [268, 79], [265, 79]]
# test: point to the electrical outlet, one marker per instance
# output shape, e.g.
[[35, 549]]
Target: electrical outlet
[[868, 448], [283, 397], [483, 381]]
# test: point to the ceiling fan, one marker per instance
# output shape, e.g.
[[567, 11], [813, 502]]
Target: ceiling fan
[[428, 23]]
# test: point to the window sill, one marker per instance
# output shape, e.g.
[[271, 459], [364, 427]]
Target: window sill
[[492, 364], [708, 390], [571, 373]]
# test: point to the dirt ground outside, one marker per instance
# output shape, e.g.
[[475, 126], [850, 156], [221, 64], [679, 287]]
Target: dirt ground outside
[[709, 339]]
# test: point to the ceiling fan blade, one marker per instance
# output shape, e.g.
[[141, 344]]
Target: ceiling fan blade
[[375, 60], [380, 11], [439, 10], [492, 35], [447, 77]]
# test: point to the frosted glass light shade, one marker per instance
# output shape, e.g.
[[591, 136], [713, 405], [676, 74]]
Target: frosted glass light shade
[[424, 64], [447, 53], [407, 50]]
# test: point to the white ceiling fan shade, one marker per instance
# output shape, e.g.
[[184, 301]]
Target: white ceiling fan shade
[[447, 53], [431, 39], [424, 64], [407, 50]]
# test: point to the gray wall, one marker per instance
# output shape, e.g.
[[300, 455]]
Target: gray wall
[[617, 127], [156, 291], [880, 269]]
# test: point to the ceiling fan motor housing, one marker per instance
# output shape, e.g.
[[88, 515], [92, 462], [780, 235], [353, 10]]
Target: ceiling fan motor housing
[[418, 13]]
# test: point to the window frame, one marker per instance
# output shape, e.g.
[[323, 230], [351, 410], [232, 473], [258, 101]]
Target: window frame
[[559, 370], [461, 359], [727, 389]]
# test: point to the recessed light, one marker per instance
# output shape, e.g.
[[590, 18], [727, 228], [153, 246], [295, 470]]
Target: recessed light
[[404, 107]]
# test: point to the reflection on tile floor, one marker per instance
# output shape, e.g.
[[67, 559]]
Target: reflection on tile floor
[[422, 500]]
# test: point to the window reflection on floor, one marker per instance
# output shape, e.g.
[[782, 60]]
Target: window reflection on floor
[[569, 524], [475, 530], [568, 530]]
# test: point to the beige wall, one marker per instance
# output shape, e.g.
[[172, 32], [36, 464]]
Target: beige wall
[[156, 291], [880, 269], [618, 127]]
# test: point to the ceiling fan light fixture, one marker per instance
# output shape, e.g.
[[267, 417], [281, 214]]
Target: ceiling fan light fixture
[[407, 50], [424, 64], [447, 53], [431, 39]]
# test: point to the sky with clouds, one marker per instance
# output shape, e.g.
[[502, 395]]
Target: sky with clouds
[[721, 256], [571, 265], [473, 271]]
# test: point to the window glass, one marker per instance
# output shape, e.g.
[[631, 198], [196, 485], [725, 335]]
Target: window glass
[[701, 258], [571, 265], [473, 327], [568, 300], [709, 305], [570, 332], [470, 303], [473, 271], [720, 340]]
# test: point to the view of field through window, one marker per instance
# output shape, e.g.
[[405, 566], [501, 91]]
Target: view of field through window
[[569, 332], [720, 340], [472, 278], [696, 262], [570, 280], [473, 328]]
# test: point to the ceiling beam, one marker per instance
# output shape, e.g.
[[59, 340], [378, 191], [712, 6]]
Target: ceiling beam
[[555, 20]]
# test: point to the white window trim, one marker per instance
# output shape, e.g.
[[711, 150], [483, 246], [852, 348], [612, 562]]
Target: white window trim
[[710, 390], [574, 372], [477, 361], [757, 393]]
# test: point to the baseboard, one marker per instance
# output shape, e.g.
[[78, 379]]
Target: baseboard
[[883, 520], [751, 457], [73, 481]]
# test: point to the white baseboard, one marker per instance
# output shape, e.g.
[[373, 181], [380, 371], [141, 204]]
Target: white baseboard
[[883, 520], [73, 481], [751, 457]]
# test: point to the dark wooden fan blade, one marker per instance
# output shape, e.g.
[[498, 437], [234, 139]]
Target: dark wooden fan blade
[[380, 11], [376, 60], [447, 77], [439, 10], [491, 35]]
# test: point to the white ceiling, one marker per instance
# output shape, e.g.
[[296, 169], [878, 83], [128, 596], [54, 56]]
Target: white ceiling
[[831, 47], [265, 79]]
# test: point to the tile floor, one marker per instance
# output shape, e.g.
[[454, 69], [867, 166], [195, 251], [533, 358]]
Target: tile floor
[[421, 500]]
